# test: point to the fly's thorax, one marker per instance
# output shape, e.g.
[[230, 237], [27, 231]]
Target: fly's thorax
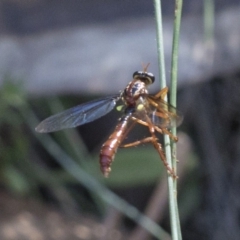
[[134, 90]]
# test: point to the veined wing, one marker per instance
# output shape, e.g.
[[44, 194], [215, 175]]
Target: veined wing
[[163, 114], [78, 115]]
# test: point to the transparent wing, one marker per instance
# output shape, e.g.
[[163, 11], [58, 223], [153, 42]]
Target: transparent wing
[[163, 114], [78, 115]]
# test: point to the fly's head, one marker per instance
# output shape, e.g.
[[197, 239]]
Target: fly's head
[[137, 87], [145, 77]]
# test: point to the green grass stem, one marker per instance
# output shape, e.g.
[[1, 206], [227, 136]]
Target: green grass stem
[[208, 19], [174, 216], [173, 89]]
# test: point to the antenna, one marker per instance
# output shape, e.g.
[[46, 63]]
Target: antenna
[[145, 67]]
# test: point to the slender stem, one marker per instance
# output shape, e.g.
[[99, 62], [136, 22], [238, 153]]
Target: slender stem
[[174, 73], [208, 20], [174, 216], [173, 90], [160, 47], [174, 67]]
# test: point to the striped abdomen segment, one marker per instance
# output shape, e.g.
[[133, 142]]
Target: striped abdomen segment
[[109, 148]]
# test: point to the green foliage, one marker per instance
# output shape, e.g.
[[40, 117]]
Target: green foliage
[[14, 143]]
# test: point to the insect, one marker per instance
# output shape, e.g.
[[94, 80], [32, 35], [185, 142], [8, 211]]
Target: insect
[[139, 107]]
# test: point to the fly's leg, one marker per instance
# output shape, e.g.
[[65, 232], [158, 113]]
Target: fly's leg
[[162, 93], [146, 124], [160, 130], [136, 143], [159, 148], [154, 140], [174, 138]]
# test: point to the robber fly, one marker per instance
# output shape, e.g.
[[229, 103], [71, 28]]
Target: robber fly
[[139, 107]]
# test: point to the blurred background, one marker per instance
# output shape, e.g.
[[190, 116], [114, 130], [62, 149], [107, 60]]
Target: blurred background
[[57, 54]]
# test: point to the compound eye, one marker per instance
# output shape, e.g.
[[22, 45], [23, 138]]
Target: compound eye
[[137, 74], [146, 77], [150, 77]]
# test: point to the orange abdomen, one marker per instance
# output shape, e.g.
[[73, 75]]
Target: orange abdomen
[[109, 148]]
